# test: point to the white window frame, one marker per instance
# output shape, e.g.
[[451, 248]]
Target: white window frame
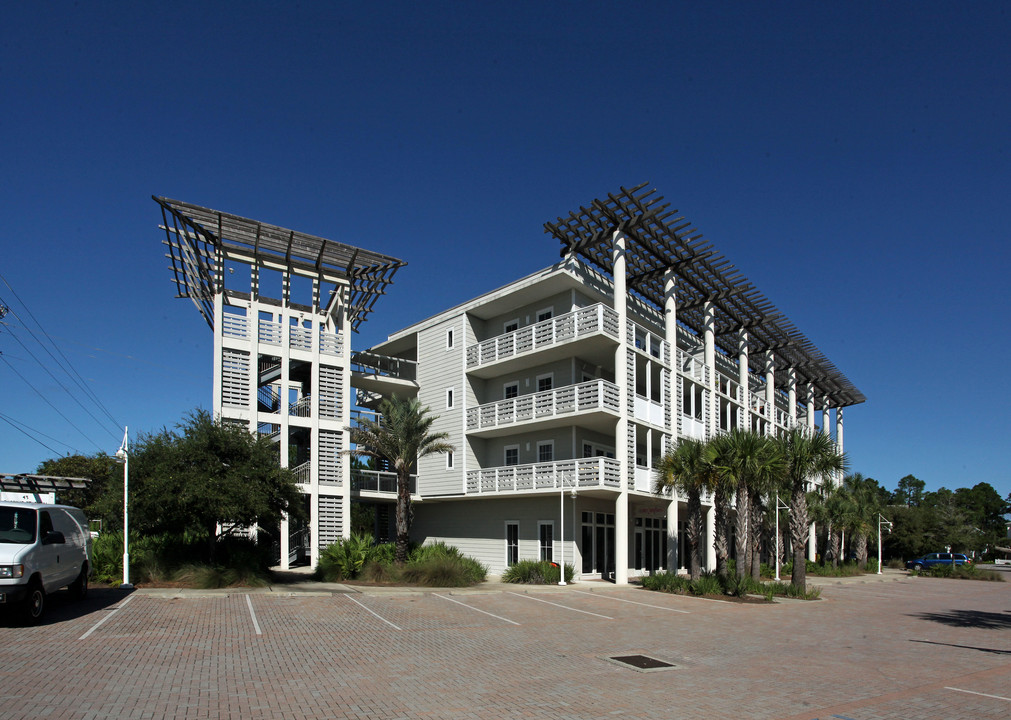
[[505, 455], [449, 460], [506, 386], [449, 338], [549, 376], [509, 523], [549, 311], [540, 543], [507, 323], [449, 398], [542, 444]]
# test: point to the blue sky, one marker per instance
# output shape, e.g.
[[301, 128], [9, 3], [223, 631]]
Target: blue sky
[[852, 159]]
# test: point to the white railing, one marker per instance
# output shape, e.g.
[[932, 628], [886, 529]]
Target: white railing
[[270, 332], [379, 481], [692, 367], [693, 428], [300, 338], [302, 472], [235, 326], [564, 328], [330, 343], [646, 341], [369, 363], [649, 411], [596, 472], [584, 397], [301, 407]]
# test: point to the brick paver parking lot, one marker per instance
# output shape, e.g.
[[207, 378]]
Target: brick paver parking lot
[[910, 648]]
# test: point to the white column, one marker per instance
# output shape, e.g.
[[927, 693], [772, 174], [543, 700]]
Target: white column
[[710, 549], [672, 534], [809, 407], [839, 428], [826, 426], [770, 392], [742, 379], [344, 328], [670, 328], [791, 389], [709, 338], [622, 451]]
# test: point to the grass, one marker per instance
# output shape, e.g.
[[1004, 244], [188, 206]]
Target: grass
[[433, 565], [960, 572]]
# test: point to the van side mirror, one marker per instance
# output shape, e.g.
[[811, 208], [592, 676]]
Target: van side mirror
[[54, 537]]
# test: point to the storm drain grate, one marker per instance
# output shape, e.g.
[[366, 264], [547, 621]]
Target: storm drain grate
[[640, 663]]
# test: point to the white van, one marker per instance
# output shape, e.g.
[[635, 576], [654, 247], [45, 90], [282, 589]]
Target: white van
[[42, 549]]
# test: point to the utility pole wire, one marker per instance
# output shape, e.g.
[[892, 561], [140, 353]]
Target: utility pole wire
[[79, 380], [55, 452], [20, 424]]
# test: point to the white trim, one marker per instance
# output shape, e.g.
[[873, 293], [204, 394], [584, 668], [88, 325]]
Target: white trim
[[550, 376], [509, 384], [545, 443], [449, 460], [505, 454], [507, 323], [549, 311], [449, 398], [450, 338]]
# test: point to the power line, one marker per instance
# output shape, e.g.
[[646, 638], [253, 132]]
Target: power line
[[78, 379], [69, 421], [21, 426], [2, 417]]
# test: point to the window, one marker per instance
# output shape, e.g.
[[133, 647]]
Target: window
[[510, 390], [449, 460], [512, 542], [449, 397], [546, 451], [449, 339], [512, 455], [545, 314], [587, 450], [511, 326], [545, 382], [546, 537]]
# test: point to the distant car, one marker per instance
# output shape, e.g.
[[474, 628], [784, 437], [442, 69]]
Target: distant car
[[932, 559]]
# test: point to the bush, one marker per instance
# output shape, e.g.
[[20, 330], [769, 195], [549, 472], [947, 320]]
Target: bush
[[790, 590], [436, 565], [669, 582], [962, 572], [536, 572], [707, 584], [444, 570], [344, 559], [210, 577]]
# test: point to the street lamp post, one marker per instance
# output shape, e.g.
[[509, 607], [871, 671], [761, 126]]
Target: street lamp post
[[881, 521], [124, 454]]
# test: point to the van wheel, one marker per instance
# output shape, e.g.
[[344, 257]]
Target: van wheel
[[35, 603], [79, 588], [917, 566]]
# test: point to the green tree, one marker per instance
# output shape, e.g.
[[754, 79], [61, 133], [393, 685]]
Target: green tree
[[102, 499], [689, 468], [909, 492], [208, 477], [862, 516], [806, 456], [401, 436]]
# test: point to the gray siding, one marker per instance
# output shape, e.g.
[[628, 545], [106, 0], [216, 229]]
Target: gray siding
[[441, 368]]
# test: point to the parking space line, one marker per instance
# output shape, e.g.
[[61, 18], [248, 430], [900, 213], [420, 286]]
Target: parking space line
[[995, 697], [100, 622], [376, 614], [476, 609], [634, 602], [252, 614], [585, 612]]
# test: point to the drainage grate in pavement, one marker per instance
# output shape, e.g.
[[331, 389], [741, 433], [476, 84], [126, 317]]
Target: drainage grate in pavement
[[640, 663]]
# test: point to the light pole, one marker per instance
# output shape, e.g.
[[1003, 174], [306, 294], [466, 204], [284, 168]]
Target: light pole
[[124, 454], [881, 521], [778, 508], [561, 516]]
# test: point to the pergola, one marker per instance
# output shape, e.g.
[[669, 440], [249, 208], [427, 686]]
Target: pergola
[[195, 234], [37, 484], [659, 239]]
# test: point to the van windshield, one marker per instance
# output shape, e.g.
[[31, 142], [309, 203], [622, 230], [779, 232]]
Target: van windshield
[[17, 524]]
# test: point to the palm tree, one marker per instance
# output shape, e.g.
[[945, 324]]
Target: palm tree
[[400, 437], [865, 506], [689, 468], [806, 456]]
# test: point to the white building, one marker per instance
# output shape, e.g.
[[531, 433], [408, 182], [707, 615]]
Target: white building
[[562, 389], [559, 391]]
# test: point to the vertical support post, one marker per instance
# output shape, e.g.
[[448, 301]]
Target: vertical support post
[[709, 338], [742, 379], [791, 390], [622, 451], [770, 392]]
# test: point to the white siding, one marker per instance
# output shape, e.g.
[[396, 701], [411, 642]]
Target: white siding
[[439, 369]]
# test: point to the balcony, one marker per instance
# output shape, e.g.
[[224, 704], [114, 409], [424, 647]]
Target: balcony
[[585, 473], [384, 375], [550, 408], [375, 482], [587, 326]]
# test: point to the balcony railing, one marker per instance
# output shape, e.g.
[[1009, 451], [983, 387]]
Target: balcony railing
[[596, 472], [564, 328], [302, 472], [584, 397], [379, 482]]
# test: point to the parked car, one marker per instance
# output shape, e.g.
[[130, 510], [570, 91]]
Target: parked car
[[932, 559], [42, 548]]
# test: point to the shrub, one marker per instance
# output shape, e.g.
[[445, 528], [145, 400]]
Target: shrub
[[789, 590], [444, 570], [209, 577], [536, 572], [962, 572], [344, 559], [707, 584], [669, 582]]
